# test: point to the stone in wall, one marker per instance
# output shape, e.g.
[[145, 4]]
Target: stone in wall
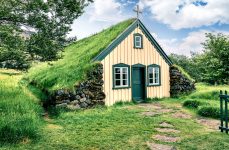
[[179, 84], [86, 94]]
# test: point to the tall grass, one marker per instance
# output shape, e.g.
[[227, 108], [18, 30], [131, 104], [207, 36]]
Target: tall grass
[[19, 111]]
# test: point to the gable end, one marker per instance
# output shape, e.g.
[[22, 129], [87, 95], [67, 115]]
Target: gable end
[[122, 36]]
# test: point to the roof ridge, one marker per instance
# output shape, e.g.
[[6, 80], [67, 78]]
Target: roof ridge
[[119, 36]]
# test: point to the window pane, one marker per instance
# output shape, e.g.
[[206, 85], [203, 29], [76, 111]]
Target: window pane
[[151, 81], [117, 76], [124, 76], [137, 38], [151, 75], [124, 82], [124, 70], [117, 83], [156, 80], [137, 44], [157, 70], [150, 70], [117, 70]]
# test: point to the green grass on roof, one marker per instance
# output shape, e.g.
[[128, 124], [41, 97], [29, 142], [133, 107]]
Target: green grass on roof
[[184, 73], [71, 69]]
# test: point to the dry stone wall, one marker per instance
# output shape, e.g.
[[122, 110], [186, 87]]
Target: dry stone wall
[[179, 84], [85, 95]]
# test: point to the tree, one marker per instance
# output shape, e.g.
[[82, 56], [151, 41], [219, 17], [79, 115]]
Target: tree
[[215, 59], [12, 54], [212, 65], [50, 21], [188, 64]]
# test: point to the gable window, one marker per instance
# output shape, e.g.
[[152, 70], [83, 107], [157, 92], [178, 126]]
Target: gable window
[[121, 76], [138, 40], [154, 75]]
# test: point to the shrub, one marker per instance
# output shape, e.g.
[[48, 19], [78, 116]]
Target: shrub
[[191, 104], [212, 112]]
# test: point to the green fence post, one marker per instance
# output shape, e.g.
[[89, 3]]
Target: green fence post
[[226, 112], [221, 111]]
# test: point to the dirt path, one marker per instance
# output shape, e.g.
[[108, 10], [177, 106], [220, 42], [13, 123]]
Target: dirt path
[[165, 128]]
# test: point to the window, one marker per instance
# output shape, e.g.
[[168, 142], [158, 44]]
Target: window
[[121, 76], [137, 40], [154, 75]]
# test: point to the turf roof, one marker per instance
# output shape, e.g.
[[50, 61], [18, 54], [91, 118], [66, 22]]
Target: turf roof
[[71, 69]]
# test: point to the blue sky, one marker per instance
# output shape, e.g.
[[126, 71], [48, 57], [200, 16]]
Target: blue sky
[[178, 25]]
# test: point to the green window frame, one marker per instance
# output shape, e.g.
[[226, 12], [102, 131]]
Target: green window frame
[[154, 75], [121, 76], [138, 41]]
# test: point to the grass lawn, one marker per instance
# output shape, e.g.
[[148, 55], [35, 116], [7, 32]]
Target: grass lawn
[[117, 127], [19, 109]]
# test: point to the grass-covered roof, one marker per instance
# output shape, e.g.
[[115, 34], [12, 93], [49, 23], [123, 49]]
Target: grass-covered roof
[[71, 69]]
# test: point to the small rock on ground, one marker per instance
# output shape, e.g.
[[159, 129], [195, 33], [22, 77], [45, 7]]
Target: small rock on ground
[[154, 146], [166, 130], [164, 138], [166, 125], [181, 115]]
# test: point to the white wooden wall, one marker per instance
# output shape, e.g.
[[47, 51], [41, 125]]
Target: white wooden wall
[[125, 53]]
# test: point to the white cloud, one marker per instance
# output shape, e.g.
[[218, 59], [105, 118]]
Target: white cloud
[[99, 15], [106, 10], [184, 14], [191, 43]]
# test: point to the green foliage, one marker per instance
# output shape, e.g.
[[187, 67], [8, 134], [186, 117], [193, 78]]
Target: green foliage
[[12, 48], [187, 65], [19, 111], [191, 103], [210, 66], [208, 95], [50, 21], [183, 72], [215, 59], [209, 111], [66, 72]]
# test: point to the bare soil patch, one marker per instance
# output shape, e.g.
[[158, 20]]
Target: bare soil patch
[[167, 130], [209, 123], [150, 106], [149, 113], [165, 110], [154, 146], [181, 115], [165, 138], [166, 125]]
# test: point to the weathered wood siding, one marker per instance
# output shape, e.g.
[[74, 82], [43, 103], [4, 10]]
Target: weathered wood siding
[[125, 53]]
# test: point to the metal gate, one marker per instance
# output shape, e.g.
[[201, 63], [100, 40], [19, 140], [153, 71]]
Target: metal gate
[[224, 111]]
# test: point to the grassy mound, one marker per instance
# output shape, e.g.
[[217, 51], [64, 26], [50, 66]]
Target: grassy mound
[[184, 73], [19, 111], [66, 72]]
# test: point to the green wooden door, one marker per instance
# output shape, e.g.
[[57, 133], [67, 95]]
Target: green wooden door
[[138, 84]]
